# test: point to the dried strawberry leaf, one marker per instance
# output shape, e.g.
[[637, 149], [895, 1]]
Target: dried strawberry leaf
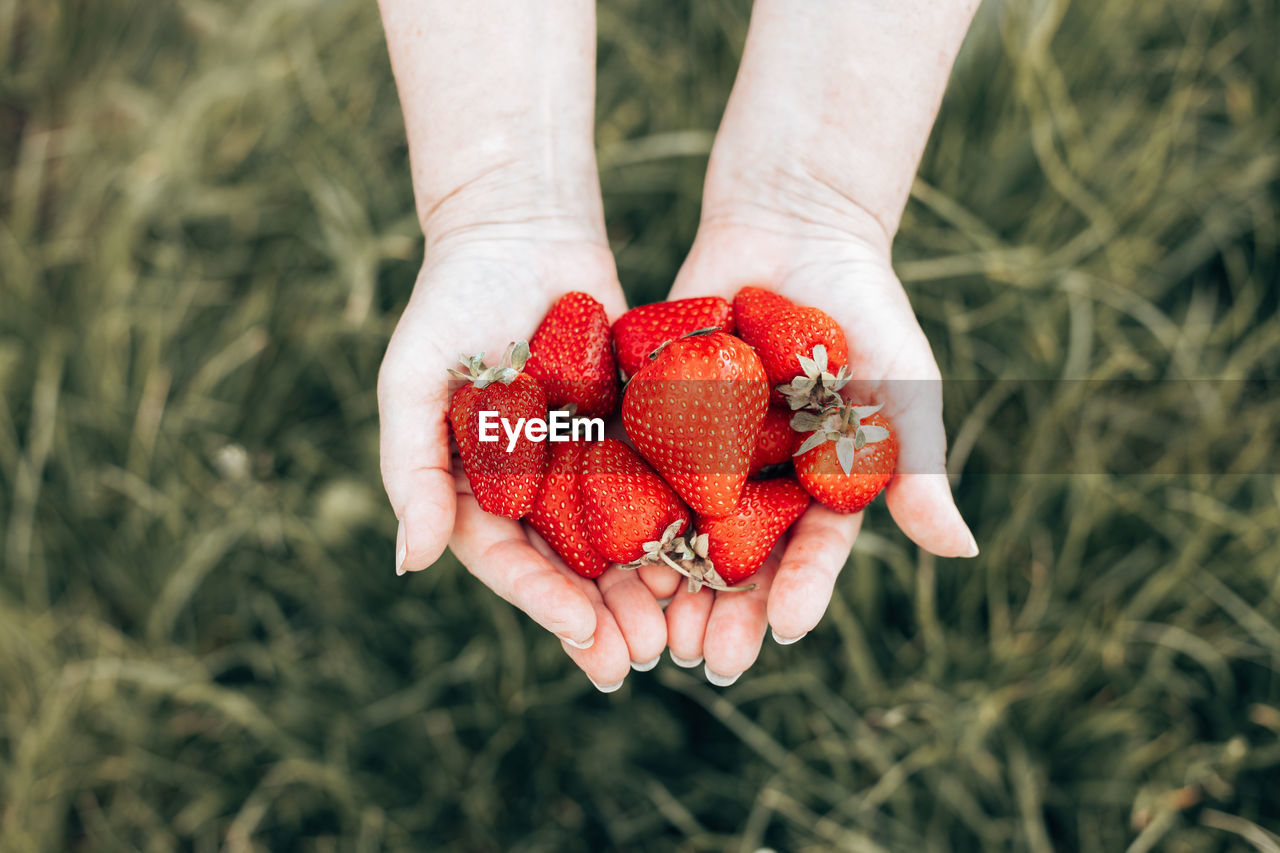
[[872, 433], [810, 443], [845, 451]]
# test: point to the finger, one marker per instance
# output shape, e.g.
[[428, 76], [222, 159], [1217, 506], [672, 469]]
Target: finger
[[687, 616], [904, 376], [919, 495], [608, 653], [661, 580], [497, 552], [735, 629], [638, 614], [414, 455], [816, 552], [607, 662]]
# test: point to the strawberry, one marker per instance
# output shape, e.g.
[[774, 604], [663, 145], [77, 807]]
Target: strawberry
[[557, 512], [695, 412], [627, 509], [504, 483], [642, 330], [734, 547], [776, 444], [787, 337], [573, 359], [848, 456]]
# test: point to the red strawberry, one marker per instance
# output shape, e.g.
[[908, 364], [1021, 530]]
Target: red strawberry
[[503, 483], [557, 513], [735, 546], [777, 442], [625, 504], [573, 359], [642, 330], [781, 332], [848, 457], [695, 412]]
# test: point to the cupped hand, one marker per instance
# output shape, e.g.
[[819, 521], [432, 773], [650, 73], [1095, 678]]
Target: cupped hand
[[846, 272], [477, 295]]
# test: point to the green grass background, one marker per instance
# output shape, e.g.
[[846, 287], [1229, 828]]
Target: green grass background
[[206, 233]]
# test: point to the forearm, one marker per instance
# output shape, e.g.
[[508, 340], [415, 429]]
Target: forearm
[[840, 95], [498, 102]]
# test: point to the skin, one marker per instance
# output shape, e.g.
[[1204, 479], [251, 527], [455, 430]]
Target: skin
[[804, 191], [502, 154]]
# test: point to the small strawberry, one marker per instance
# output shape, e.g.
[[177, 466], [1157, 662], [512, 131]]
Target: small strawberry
[[777, 443], [557, 513], [734, 547], [641, 330], [627, 509], [572, 357], [787, 337], [504, 483], [848, 457], [695, 412]]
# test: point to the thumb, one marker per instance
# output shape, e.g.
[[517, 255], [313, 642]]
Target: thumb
[[919, 495], [414, 455], [711, 270]]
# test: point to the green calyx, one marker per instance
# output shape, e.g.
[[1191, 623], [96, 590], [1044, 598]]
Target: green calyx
[[688, 556], [505, 371], [817, 386], [843, 425]]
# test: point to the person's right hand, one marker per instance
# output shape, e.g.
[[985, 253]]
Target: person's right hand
[[479, 289]]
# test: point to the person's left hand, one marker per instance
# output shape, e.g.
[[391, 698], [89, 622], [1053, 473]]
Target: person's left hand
[[851, 279]]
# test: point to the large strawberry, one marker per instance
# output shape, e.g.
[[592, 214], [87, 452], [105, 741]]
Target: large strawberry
[[573, 359], [848, 457], [734, 547], [777, 442], [626, 506], [787, 337], [557, 513], [695, 412], [504, 483], [640, 331]]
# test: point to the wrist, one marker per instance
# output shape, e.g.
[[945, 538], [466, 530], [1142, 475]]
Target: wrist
[[781, 191], [513, 198], [500, 128], [834, 103]]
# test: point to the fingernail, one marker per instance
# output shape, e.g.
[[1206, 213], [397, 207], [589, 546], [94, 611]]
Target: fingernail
[[579, 646], [645, 667], [973, 546], [786, 641], [720, 680], [604, 688], [687, 664], [402, 548]]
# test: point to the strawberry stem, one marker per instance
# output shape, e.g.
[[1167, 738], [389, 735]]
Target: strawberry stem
[[692, 562], [694, 334]]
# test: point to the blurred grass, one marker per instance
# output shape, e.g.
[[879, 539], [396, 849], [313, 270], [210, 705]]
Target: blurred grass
[[206, 232]]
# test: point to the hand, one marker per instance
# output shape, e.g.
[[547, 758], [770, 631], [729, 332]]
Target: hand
[[821, 251], [479, 289]]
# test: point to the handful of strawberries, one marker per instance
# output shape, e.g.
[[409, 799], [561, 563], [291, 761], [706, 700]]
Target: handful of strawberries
[[721, 403]]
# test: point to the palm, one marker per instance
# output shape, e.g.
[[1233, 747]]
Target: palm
[[478, 298], [891, 363]]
